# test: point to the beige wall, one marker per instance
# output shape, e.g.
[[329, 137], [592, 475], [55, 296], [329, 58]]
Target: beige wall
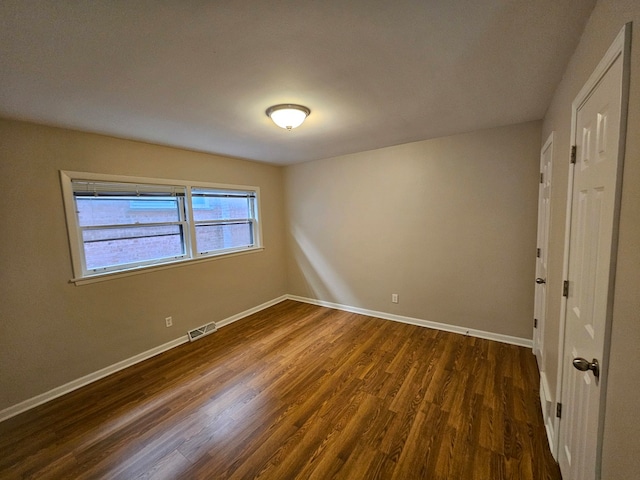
[[621, 447], [448, 224], [53, 332]]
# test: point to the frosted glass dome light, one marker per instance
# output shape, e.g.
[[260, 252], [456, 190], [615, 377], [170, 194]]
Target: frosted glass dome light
[[288, 115]]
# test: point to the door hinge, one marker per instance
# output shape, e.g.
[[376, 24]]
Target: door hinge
[[541, 177], [559, 410], [565, 288], [535, 323], [538, 252], [573, 154]]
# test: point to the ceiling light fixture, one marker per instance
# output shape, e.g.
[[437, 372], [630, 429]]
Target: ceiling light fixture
[[287, 115]]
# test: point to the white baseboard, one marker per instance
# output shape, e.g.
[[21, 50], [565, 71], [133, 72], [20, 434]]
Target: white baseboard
[[251, 311], [87, 379], [521, 342], [92, 377]]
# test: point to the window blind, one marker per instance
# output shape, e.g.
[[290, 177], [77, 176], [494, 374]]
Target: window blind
[[85, 188]]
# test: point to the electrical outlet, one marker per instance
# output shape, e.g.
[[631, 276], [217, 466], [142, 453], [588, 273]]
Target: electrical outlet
[[168, 321], [394, 298]]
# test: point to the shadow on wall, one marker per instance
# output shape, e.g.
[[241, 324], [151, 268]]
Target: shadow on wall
[[321, 278]]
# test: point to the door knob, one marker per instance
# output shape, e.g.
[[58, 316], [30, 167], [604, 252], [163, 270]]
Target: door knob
[[540, 280], [584, 366]]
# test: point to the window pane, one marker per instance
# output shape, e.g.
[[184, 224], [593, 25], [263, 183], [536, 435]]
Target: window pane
[[220, 208], [221, 236], [119, 246], [95, 211]]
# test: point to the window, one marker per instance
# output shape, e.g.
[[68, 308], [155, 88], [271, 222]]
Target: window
[[120, 224], [223, 219]]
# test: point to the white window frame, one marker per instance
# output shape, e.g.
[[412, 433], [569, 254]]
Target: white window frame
[[82, 275]]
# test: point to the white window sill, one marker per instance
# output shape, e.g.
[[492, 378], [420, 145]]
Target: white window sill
[[103, 277]]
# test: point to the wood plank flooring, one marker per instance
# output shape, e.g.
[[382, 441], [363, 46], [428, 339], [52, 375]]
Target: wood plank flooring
[[298, 391]]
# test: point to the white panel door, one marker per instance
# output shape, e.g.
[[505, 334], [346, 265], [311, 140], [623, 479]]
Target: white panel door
[[542, 254], [591, 252]]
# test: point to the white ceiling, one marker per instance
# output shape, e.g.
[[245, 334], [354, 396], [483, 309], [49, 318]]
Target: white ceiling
[[200, 74]]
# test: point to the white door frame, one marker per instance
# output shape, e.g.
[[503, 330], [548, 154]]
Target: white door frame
[[620, 46]]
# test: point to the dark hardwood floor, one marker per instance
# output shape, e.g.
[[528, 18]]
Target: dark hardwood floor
[[298, 391]]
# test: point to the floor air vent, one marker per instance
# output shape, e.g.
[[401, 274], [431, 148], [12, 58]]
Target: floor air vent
[[202, 331]]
